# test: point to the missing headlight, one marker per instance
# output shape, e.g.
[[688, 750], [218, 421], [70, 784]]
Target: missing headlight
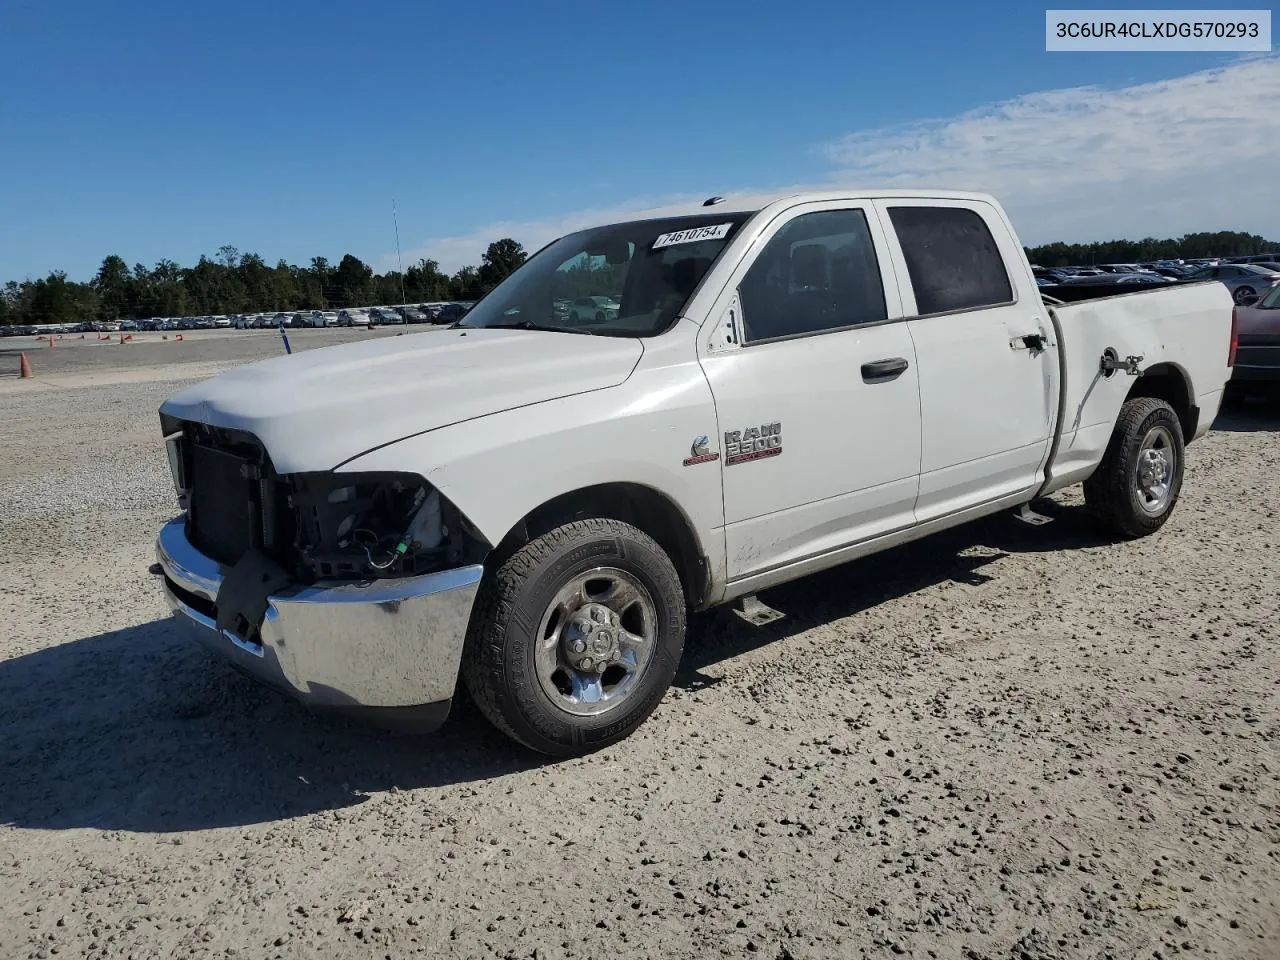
[[362, 526]]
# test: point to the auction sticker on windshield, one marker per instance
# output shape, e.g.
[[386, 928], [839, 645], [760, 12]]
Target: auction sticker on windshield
[[692, 235]]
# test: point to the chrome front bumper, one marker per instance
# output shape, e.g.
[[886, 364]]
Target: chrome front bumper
[[384, 647]]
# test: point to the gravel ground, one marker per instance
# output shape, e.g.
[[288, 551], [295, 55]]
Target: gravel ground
[[1003, 742]]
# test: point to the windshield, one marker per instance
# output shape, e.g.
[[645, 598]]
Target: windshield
[[1271, 301], [1256, 268], [622, 280]]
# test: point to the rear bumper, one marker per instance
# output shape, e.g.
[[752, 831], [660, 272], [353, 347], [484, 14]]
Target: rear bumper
[[1258, 358], [387, 649]]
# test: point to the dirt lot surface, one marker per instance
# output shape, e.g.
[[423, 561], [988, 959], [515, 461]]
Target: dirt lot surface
[[1004, 742]]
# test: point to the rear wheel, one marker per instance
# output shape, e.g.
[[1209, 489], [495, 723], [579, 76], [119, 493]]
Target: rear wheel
[[1244, 295], [576, 637], [1136, 485]]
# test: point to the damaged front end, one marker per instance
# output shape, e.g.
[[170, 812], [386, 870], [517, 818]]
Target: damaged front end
[[350, 591]]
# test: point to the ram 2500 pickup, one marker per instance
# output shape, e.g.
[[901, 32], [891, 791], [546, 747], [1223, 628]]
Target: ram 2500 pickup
[[533, 502]]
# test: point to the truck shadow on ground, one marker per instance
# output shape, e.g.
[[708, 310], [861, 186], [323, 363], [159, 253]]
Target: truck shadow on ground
[[138, 730], [957, 555]]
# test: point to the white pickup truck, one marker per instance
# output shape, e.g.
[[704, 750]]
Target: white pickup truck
[[535, 503]]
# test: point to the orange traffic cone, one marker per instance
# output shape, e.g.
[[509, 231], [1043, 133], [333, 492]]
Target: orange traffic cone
[[24, 366], [51, 343]]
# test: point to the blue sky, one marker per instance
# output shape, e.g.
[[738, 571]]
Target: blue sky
[[286, 128]]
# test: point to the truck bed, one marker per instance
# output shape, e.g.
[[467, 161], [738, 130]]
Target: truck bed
[[1180, 325]]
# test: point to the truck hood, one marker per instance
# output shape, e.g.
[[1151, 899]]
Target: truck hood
[[319, 408]]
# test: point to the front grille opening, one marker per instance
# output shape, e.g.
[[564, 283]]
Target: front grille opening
[[196, 602], [235, 499]]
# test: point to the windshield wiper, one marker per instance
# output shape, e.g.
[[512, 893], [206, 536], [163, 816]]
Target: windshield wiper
[[532, 325]]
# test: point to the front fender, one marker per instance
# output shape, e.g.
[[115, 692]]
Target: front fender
[[497, 469]]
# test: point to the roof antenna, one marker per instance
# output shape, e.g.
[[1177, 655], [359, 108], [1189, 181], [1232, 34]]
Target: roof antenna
[[712, 201], [399, 262]]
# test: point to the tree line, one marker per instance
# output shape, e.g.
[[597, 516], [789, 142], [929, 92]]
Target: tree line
[[232, 282], [1225, 243]]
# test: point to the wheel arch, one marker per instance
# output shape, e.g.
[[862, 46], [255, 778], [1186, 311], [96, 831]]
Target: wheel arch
[[1170, 383], [641, 506]]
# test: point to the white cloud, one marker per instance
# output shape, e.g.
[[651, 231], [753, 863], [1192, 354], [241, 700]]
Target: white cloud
[[1086, 163]]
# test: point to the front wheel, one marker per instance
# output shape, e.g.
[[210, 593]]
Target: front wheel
[[576, 637], [1136, 485]]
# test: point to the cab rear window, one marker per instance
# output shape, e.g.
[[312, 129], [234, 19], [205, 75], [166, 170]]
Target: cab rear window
[[952, 259]]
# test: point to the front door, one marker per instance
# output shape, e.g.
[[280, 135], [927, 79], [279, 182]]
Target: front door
[[818, 400]]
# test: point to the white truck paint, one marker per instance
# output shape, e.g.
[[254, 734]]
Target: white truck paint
[[978, 410]]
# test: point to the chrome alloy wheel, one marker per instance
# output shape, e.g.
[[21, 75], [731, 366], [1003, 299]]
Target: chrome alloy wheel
[[1155, 470], [595, 641]]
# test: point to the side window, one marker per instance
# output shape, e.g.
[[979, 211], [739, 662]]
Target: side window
[[819, 272], [952, 259]]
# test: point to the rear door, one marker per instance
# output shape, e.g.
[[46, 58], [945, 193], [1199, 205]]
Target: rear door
[[988, 364], [816, 391]]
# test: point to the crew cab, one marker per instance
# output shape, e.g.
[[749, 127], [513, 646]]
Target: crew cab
[[533, 505]]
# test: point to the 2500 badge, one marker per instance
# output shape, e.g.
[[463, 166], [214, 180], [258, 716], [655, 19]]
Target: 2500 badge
[[753, 443]]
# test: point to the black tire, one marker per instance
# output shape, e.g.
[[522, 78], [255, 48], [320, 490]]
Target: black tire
[[498, 664], [1113, 493], [1244, 295]]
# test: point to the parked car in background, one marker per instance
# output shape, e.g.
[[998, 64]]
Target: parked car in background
[[598, 309], [1257, 367], [450, 313], [413, 314], [222, 321], [385, 316], [353, 318], [1050, 274], [1246, 281], [1153, 278], [1255, 258]]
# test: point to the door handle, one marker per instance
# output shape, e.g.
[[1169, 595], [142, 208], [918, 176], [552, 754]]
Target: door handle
[[1029, 341], [882, 371]]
